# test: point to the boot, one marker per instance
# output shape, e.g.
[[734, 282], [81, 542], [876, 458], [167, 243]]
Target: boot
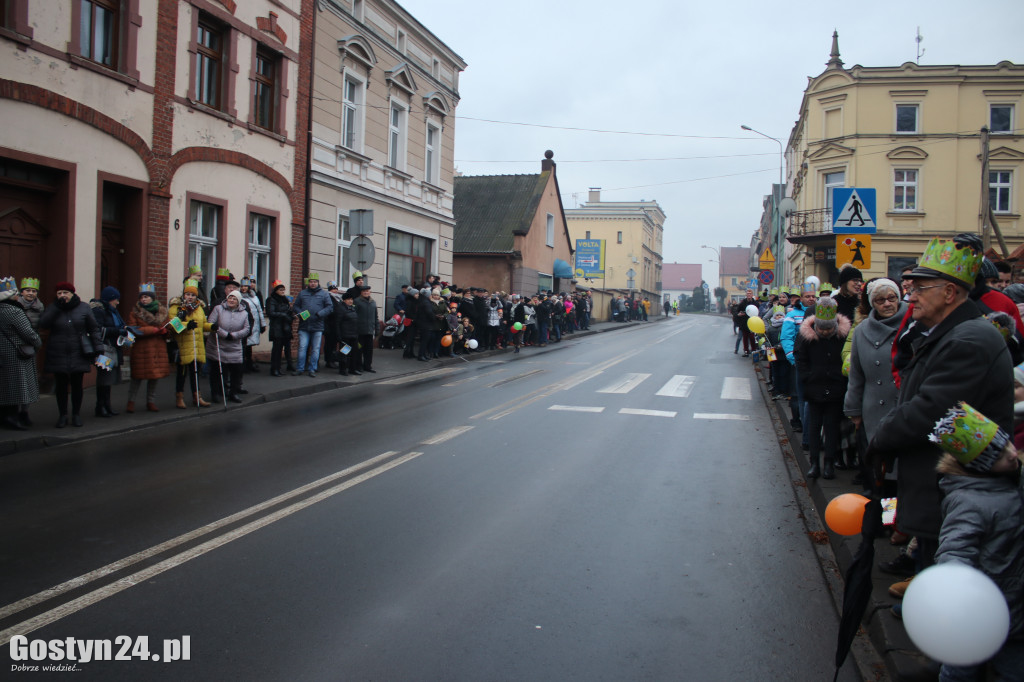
[[151, 407], [107, 406], [829, 470], [197, 399], [179, 400], [130, 407], [814, 471]]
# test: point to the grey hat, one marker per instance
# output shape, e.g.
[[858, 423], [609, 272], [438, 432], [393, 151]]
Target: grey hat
[[1015, 292], [424, 292], [988, 270]]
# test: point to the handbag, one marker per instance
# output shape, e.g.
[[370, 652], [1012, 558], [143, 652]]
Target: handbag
[[88, 349], [25, 351]]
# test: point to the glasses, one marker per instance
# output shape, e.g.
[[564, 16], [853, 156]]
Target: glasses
[[914, 289], [887, 299]]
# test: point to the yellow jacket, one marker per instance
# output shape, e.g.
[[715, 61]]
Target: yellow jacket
[[190, 341]]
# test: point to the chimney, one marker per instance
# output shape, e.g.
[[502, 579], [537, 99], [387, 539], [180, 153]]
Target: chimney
[[594, 196], [547, 164]]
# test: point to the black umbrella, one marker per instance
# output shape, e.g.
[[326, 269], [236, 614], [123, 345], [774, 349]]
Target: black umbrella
[[857, 590]]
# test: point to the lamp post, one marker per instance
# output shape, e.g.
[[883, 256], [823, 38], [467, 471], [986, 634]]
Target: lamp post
[[717, 260], [778, 215]]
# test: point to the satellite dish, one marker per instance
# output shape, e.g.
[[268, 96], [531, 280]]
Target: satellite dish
[[786, 207]]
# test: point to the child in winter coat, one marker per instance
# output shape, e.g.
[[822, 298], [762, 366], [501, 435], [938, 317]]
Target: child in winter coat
[[982, 517]]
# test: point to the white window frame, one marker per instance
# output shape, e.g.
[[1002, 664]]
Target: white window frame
[[551, 230], [917, 118], [397, 134], [829, 186], [343, 266], [432, 154], [357, 9], [1000, 186], [259, 250], [202, 249], [352, 111], [1008, 131], [900, 187]]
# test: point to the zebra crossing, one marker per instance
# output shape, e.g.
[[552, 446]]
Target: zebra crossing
[[681, 386]]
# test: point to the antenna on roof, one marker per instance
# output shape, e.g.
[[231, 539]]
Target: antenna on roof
[[918, 39]]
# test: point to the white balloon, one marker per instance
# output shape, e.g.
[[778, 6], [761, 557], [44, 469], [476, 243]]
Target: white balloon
[[751, 311], [473, 344], [956, 614]]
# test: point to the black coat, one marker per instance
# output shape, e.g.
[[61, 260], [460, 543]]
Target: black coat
[[346, 321], [280, 313], [819, 361], [425, 320], [67, 323]]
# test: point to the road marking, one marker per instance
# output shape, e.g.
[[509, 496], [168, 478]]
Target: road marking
[[102, 593], [446, 435], [625, 384], [710, 415], [736, 388], [682, 329], [647, 413], [576, 408], [678, 386], [419, 376], [521, 375], [458, 382]]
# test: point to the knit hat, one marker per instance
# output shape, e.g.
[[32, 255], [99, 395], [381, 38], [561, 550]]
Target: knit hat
[[825, 311], [147, 289], [424, 292], [988, 270], [848, 272], [64, 286], [109, 294], [7, 288], [235, 295], [1015, 292], [191, 287], [1004, 324], [976, 441], [29, 283], [882, 283]]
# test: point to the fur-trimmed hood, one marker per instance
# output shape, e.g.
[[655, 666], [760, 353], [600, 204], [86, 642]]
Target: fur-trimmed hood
[[843, 327]]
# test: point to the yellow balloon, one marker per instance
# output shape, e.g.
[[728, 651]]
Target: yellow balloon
[[756, 325]]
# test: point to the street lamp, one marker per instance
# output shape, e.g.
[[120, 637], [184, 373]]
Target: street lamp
[[782, 188]]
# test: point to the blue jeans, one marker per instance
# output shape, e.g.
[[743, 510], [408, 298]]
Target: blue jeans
[[1008, 664], [542, 332], [311, 341]]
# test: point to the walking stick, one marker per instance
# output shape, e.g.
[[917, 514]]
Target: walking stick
[[195, 371], [220, 368]]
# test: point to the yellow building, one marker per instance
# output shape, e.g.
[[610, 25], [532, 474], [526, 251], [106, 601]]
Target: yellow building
[[633, 233], [914, 133]]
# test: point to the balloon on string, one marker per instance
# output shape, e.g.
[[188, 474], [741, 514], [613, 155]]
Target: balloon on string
[[446, 340], [472, 344], [756, 325], [956, 614], [845, 514], [518, 326], [751, 310]]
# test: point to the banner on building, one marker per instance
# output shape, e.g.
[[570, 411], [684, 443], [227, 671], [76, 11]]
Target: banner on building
[[590, 258]]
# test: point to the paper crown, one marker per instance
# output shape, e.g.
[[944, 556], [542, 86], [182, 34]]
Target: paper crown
[[976, 441], [193, 285], [195, 269], [774, 291], [809, 286], [313, 275], [277, 283], [779, 310], [332, 284], [825, 309], [356, 275], [148, 288], [29, 283], [223, 273], [7, 286], [826, 287], [949, 261], [764, 295], [245, 282]]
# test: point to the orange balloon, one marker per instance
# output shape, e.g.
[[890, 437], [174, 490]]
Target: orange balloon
[[446, 340], [845, 514]]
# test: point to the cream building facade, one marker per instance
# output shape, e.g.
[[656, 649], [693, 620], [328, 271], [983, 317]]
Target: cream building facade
[[385, 91], [633, 232], [913, 133]]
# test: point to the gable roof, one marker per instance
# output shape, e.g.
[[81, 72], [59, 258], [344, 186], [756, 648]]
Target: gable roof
[[490, 210], [681, 276]]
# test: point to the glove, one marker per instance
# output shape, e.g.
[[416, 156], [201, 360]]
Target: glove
[[162, 331], [191, 324], [263, 330], [213, 326], [182, 315]]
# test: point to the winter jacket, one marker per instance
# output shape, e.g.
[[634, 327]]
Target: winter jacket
[[279, 310], [366, 309], [33, 310], [982, 517], [225, 345], [67, 323], [258, 321], [111, 325], [190, 341], [819, 361], [790, 326], [439, 310], [319, 304], [401, 303], [872, 392], [346, 321], [494, 313], [962, 358], [149, 352], [19, 383]]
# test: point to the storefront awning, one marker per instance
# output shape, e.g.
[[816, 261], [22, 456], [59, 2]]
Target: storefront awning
[[562, 270]]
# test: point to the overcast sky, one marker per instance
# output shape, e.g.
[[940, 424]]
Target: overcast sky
[[686, 75]]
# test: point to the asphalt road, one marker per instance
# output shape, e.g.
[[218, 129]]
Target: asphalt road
[[616, 508]]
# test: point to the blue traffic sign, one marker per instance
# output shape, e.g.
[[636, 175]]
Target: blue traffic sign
[[853, 210]]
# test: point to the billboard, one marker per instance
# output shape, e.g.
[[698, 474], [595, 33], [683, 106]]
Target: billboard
[[589, 258]]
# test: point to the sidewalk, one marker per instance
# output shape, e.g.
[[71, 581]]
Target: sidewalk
[[902, 660], [261, 386]]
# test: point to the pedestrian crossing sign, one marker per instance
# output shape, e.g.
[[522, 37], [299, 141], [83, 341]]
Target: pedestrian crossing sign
[[853, 249], [853, 210]]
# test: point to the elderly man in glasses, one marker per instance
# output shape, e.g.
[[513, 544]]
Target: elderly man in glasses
[[957, 355]]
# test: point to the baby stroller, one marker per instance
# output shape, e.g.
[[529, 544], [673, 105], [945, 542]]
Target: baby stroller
[[389, 337]]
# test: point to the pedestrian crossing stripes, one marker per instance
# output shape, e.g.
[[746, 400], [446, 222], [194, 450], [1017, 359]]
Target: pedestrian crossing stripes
[[709, 415], [626, 384], [576, 408], [736, 388], [678, 386], [647, 413]]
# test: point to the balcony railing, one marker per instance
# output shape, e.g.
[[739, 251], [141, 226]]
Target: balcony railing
[[814, 223]]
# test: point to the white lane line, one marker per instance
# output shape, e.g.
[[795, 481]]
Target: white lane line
[[102, 593], [647, 413], [624, 385], [678, 386], [447, 435], [736, 388], [89, 577], [711, 415], [678, 331], [576, 408], [420, 376]]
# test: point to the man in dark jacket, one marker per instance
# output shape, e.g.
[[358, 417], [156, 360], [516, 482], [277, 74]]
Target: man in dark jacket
[[346, 319], [958, 356], [412, 302], [366, 308]]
